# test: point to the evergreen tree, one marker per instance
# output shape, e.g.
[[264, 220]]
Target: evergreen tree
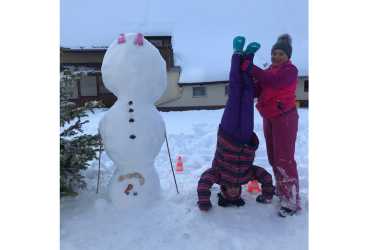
[[76, 148]]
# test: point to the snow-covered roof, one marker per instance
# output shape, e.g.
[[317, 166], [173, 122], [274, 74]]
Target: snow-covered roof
[[202, 31]]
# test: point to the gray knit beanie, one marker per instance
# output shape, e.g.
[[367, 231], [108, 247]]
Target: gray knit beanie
[[284, 43]]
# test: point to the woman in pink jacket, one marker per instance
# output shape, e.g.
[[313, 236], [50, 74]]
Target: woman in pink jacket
[[275, 89]]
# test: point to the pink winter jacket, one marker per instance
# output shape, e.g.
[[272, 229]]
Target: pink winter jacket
[[275, 88]]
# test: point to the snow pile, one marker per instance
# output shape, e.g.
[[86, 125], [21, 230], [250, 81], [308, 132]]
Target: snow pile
[[90, 222]]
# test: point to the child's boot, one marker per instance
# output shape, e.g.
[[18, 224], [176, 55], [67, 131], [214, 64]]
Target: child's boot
[[284, 212], [262, 199], [238, 44], [249, 56], [252, 48]]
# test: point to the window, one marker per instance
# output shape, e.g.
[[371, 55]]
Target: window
[[199, 91], [72, 90], [102, 88], [226, 90], [157, 43], [306, 86], [88, 86]]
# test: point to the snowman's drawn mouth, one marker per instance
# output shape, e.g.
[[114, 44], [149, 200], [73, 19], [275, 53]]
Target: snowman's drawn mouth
[[128, 188], [132, 175]]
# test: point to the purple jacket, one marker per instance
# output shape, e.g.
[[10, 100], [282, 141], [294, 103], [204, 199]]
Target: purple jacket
[[238, 116]]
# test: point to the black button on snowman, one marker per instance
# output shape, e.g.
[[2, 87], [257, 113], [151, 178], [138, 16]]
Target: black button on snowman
[[131, 110], [133, 130]]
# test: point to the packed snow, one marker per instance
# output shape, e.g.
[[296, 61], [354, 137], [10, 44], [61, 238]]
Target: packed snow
[[89, 221], [202, 31]]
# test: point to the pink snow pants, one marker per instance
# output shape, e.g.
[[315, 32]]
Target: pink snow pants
[[280, 133]]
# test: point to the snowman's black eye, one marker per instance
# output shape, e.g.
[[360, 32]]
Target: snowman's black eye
[[135, 193]]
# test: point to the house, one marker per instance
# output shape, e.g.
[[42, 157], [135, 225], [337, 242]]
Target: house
[[199, 61], [91, 86], [178, 95]]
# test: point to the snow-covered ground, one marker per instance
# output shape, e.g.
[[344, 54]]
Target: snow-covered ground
[[89, 222]]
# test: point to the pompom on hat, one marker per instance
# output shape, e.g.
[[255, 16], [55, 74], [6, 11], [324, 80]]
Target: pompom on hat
[[284, 43]]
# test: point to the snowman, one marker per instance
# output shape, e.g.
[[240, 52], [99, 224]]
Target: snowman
[[132, 130]]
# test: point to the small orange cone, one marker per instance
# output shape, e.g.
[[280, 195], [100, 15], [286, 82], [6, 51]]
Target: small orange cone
[[179, 165], [253, 187]]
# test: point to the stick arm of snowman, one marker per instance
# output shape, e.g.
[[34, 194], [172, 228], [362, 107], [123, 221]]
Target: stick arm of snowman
[[170, 160], [100, 153], [100, 156]]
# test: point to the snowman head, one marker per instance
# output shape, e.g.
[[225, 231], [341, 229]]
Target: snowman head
[[133, 69]]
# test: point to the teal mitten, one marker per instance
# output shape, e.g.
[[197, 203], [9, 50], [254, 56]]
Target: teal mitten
[[238, 44], [252, 48]]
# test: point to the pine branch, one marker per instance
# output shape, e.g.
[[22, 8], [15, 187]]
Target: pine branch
[[76, 148]]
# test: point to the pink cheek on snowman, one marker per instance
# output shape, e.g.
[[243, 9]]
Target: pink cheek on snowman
[[121, 39], [138, 40]]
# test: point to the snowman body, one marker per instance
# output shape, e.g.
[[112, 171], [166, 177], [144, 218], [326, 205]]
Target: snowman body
[[132, 130]]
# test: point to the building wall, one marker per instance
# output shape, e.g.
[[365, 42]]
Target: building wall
[[74, 90], [176, 95], [215, 96], [82, 58], [88, 86], [301, 94], [173, 91], [179, 96]]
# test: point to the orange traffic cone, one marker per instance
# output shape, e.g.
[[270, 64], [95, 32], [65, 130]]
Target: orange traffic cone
[[253, 187], [179, 165]]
